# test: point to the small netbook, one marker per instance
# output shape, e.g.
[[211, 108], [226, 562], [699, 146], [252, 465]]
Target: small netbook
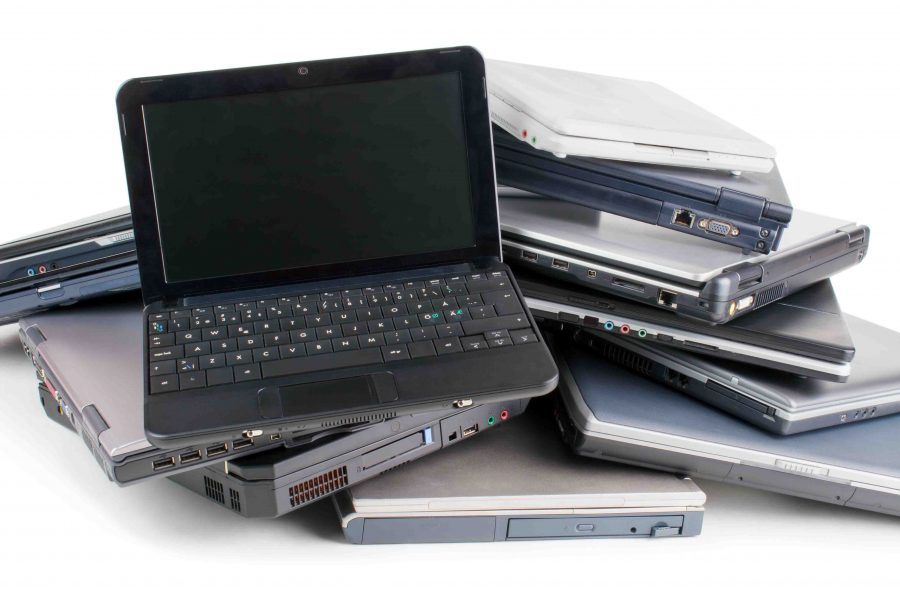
[[318, 243], [776, 401], [804, 334], [274, 483], [570, 112], [535, 489], [612, 413], [90, 257], [88, 362], [689, 276]]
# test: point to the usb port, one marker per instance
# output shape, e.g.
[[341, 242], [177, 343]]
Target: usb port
[[189, 457], [470, 430], [275, 437], [241, 444], [216, 450], [163, 463], [529, 255], [560, 264]]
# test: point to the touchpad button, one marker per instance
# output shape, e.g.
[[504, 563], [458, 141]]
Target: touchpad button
[[335, 395]]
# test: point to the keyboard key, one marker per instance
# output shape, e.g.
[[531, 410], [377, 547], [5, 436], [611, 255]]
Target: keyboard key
[[328, 332], [239, 330], [354, 329], [496, 334], [448, 346], [301, 336], [320, 347], [214, 333], [163, 339], [505, 302], [397, 352], [204, 321], [158, 326], [421, 349], [423, 333], [250, 341], [163, 383], [197, 349], [371, 340], [344, 317], [457, 315], [406, 322], [431, 318], [305, 308], [211, 361], [506, 322], [219, 376], [163, 316], [292, 350], [189, 381], [493, 283], [239, 357], [291, 324], [264, 354], [445, 304], [368, 314], [380, 325], [229, 345], [473, 343], [186, 337], [318, 320], [265, 326], [498, 342], [449, 330], [345, 343], [187, 364], [293, 366], [523, 336], [166, 353], [395, 310], [164, 367], [397, 337], [246, 373], [482, 312], [276, 339], [470, 300], [205, 310]]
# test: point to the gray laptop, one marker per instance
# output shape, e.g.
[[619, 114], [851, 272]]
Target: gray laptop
[[274, 483], [691, 276], [776, 401], [519, 482], [89, 360], [611, 413]]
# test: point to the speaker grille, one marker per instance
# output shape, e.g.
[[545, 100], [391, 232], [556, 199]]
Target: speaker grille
[[623, 357], [235, 497], [362, 419], [776, 292], [214, 490], [318, 486]]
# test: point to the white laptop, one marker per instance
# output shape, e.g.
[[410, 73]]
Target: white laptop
[[568, 112]]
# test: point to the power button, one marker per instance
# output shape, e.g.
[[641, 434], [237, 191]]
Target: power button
[[584, 527]]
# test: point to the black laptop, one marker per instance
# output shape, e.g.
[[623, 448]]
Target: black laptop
[[318, 245]]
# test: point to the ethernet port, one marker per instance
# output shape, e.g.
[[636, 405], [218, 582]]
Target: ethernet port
[[667, 298], [683, 218]]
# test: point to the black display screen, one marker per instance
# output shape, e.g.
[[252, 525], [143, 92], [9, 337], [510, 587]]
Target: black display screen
[[327, 175]]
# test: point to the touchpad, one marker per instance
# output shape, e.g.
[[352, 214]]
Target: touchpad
[[335, 395]]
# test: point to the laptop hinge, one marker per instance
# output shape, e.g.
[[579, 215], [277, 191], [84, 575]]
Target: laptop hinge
[[93, 421]]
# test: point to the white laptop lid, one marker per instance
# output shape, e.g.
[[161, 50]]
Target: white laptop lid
[[609, 108]]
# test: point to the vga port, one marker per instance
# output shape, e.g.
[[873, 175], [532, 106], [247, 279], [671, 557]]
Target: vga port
[[718, 227]]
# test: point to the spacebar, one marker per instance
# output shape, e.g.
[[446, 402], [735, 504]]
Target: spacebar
[[321, 362]]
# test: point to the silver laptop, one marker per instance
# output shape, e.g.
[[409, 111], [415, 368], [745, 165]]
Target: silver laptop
[[89, 359], [773, 400], [612, 413], [519, 482], [690, 276], [569, 112]]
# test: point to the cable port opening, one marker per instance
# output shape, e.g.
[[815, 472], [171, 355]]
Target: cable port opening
[[628, 285], [163, 463], [676, 379], [491, 420], [189, 457], [560, 264], [504, 415], [471, 430], [241, 444], [609, 326], [275, 437], [592, 274], [625, 329], [529, 255], [683, 218], [667, 298], [216, 450]]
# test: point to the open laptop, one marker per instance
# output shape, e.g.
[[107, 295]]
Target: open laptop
[[804, 334], [274, 483], [520, 482], [349, 204], [88, 359], [614, 414], [82, 259], [748, 211], [690, 276], [776, 401], [575, 113]]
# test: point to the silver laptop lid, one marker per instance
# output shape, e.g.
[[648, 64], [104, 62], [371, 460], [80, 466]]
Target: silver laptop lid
[[609, 401], [522, 465], [653, 250], [94, 353]]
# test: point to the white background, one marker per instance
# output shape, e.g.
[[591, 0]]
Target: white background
[[818, 80]]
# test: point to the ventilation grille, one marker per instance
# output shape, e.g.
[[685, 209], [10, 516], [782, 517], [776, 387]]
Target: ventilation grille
[[214, 490], [318, 486], [776, 292], [625, 358], [361, 419], [235, 497]]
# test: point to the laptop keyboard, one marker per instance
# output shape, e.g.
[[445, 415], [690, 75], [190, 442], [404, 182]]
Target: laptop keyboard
[[273, 337]]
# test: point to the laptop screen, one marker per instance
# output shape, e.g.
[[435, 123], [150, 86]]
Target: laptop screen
[[319, 176]]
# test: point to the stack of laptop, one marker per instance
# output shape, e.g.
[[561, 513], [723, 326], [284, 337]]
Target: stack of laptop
[[322, 301]]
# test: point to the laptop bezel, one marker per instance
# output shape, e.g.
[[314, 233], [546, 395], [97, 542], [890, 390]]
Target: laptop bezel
[[135, 93]]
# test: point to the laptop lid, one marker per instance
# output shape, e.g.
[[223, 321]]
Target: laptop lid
[[529, 467], [607, 400], [642, 247], [600, 107], [255, 177]]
